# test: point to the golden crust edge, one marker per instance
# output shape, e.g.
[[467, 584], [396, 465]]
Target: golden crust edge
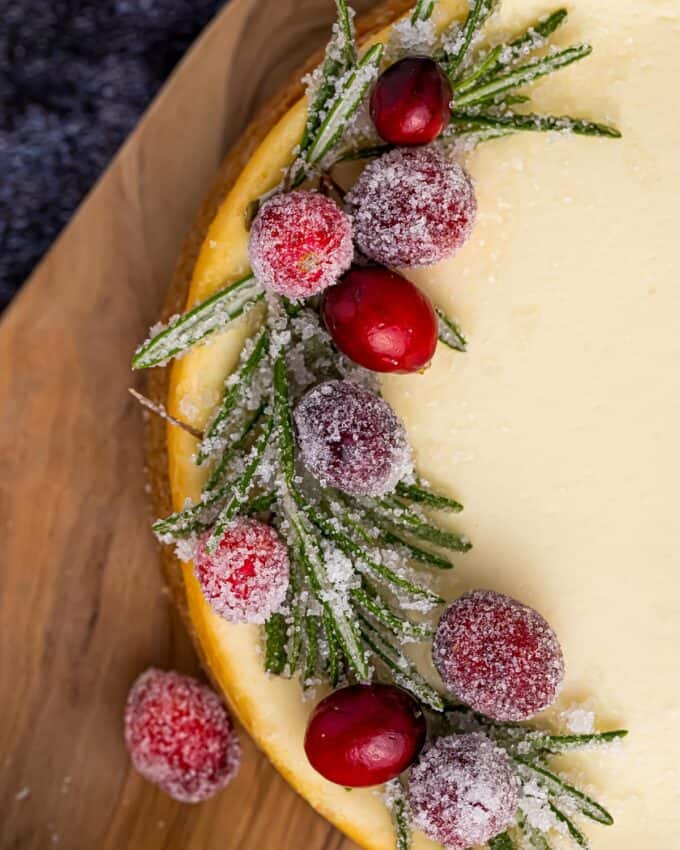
[[157, 380]]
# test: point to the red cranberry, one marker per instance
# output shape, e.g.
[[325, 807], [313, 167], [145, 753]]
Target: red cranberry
[[412, 207], [300, 243], [498, 656], [246, 578], [351, 439], [463, 791], [410, 101], [364, 734], [180, 736], [381, 321]]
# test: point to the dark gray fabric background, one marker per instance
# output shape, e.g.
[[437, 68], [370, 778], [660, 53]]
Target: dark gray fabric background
[[75, 75]]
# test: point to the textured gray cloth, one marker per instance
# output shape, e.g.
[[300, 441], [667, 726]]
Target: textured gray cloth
[[74, 78]]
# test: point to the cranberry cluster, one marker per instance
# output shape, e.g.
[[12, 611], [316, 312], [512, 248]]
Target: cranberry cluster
[[501, 658], [411, 207]]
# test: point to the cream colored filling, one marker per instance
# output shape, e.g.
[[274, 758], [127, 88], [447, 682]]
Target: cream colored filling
[[558, 429]]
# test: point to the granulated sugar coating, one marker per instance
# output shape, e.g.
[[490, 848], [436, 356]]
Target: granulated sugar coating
[[351, 439], [463, 791], [300, 243], [180, 736], [246, 578], [498, 656], [412, 207]]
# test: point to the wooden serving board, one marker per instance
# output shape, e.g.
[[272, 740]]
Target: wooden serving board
[[82, 604]]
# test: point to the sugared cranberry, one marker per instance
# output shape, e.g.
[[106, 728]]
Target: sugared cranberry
[[463, 791], [381, 320], [412, 207], [364, 734], [410, 104], [498, 656], [300, 243], [246, 578], [180, 736], [351, 439]]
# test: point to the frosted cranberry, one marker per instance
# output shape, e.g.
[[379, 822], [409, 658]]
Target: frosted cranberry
[[381, 320], [364, 734], [246, 578], [351, 439], [412, 207], [410, 101], [180, 736], [498, 656], [300, 243], [463, 791]]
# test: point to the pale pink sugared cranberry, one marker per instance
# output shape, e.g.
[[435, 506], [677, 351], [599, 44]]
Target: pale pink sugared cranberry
[[498, 656], [412, 207], [245, 580], [463, 791], [300, 243], [180, 736], [351, 439]]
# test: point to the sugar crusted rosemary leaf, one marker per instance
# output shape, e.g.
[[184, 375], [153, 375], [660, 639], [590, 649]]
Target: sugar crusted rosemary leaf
[[403, 671], [529, 40], [555, 744], [211, 315], [395, 797], [470, 122], [422, 11], [523, 74], [501, 842], [340, 56], [571, 827], [350, 94], [424, 496], [449, 332], [559, 789], [480, 12], [238, 384]]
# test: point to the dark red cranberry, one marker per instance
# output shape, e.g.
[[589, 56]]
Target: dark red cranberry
[[351, 439], [463, 791], [412, 207], [364, 734], [498, 656], [381, 320], [180, 735], [410, 104]]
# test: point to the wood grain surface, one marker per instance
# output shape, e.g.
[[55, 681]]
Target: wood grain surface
[[83, 608]]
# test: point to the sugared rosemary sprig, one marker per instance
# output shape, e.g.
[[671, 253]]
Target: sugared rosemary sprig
[[522, 75], [331, 640], [559, 789], [463, 122], [424, 496], [397, 803], [213, 439], [531, 39], [453, 58], [449, 332], [345, 104], [422, 11], [341, 55], [240, 490], [213, 314]]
